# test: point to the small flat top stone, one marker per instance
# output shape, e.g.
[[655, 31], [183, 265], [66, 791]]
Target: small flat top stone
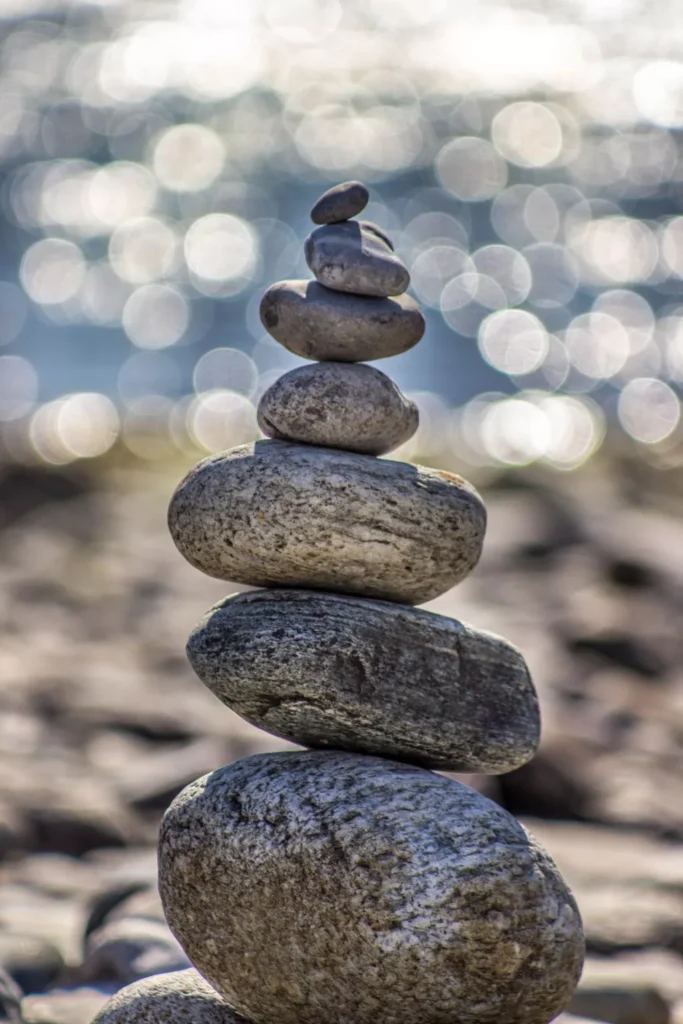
[[180, 997], [340, 203], [353, 257]]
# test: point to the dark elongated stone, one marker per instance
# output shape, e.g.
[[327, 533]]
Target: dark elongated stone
[[348, 257], [317, 323], [274, 513], [325, 670]]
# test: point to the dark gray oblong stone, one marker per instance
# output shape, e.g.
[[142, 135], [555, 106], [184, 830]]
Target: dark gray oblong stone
[[325, 670], [347, 257], [340, 203], [338, 405], [178, 997], [319, 886], [317, 323], [273, 513]]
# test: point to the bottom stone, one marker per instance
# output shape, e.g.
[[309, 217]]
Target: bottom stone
[[182, 997], [322, 886]]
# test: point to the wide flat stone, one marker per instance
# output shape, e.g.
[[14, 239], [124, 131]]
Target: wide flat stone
[[317, 323], [348, 257], [340, 203], [335, 886], [274, 513], [180, 997], [338, 405], [371, 677]]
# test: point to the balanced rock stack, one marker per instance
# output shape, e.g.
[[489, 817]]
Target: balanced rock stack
[[350, 884]]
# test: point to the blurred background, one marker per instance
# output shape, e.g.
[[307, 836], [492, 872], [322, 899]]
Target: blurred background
[[158, 159]]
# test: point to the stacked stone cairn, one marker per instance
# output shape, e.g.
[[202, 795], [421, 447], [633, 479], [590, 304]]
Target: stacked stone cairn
[[350, 883]]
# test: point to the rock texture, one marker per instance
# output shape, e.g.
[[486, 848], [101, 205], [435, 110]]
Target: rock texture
[[392, 894], [183, 997], [324, 670], [317, 323], [278, 513], [347, 257], [340, 203], [338, 405]]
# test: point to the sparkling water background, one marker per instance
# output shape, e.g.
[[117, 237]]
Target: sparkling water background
[[158, 159]]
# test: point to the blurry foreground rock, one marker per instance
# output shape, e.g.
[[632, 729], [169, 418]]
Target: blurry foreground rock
[[103, 722]]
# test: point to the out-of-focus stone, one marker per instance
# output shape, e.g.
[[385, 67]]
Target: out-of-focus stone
[[10, 999], [64, 1006], [129, 949]]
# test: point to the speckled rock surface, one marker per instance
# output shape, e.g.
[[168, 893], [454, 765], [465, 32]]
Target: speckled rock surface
[[350, 258], [338, 405], [325, 670], [317, 323], [340, 202], [182, 997], [273, 513], [396, 896]]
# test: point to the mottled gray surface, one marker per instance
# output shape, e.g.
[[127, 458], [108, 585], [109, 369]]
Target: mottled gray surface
[[317, 323], [272, 512], [370, 225], [340, 202], [338, 405], [324, 670], [316, 886], [183, 997], [350, 258]]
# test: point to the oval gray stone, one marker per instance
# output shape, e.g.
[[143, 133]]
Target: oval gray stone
[[347, 257], [179, 997], [340, 203], [371, 677], [338, 405], [275, 513], [355, 889], [316, 323]]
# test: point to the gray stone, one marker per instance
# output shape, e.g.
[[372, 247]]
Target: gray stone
[[340, 202], [10, 999], [325, 670], [316, 323], [275, 513], [350, 258], [370, 225], [180, 998], [64, 1006], [338, 405], [314, 886], [129, 949]]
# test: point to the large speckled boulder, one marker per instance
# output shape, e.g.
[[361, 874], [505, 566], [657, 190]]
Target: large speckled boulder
[[316, 886], [325, 670], [316, 323], [338, 405], [352, 257], [274, 513], [181, 997]]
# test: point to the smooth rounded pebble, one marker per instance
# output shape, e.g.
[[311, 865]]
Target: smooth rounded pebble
[[325, 670], [347, 257], [340, 203], [317, 323], [338, 405], [347, 888], [275, 513], [181, 997]]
